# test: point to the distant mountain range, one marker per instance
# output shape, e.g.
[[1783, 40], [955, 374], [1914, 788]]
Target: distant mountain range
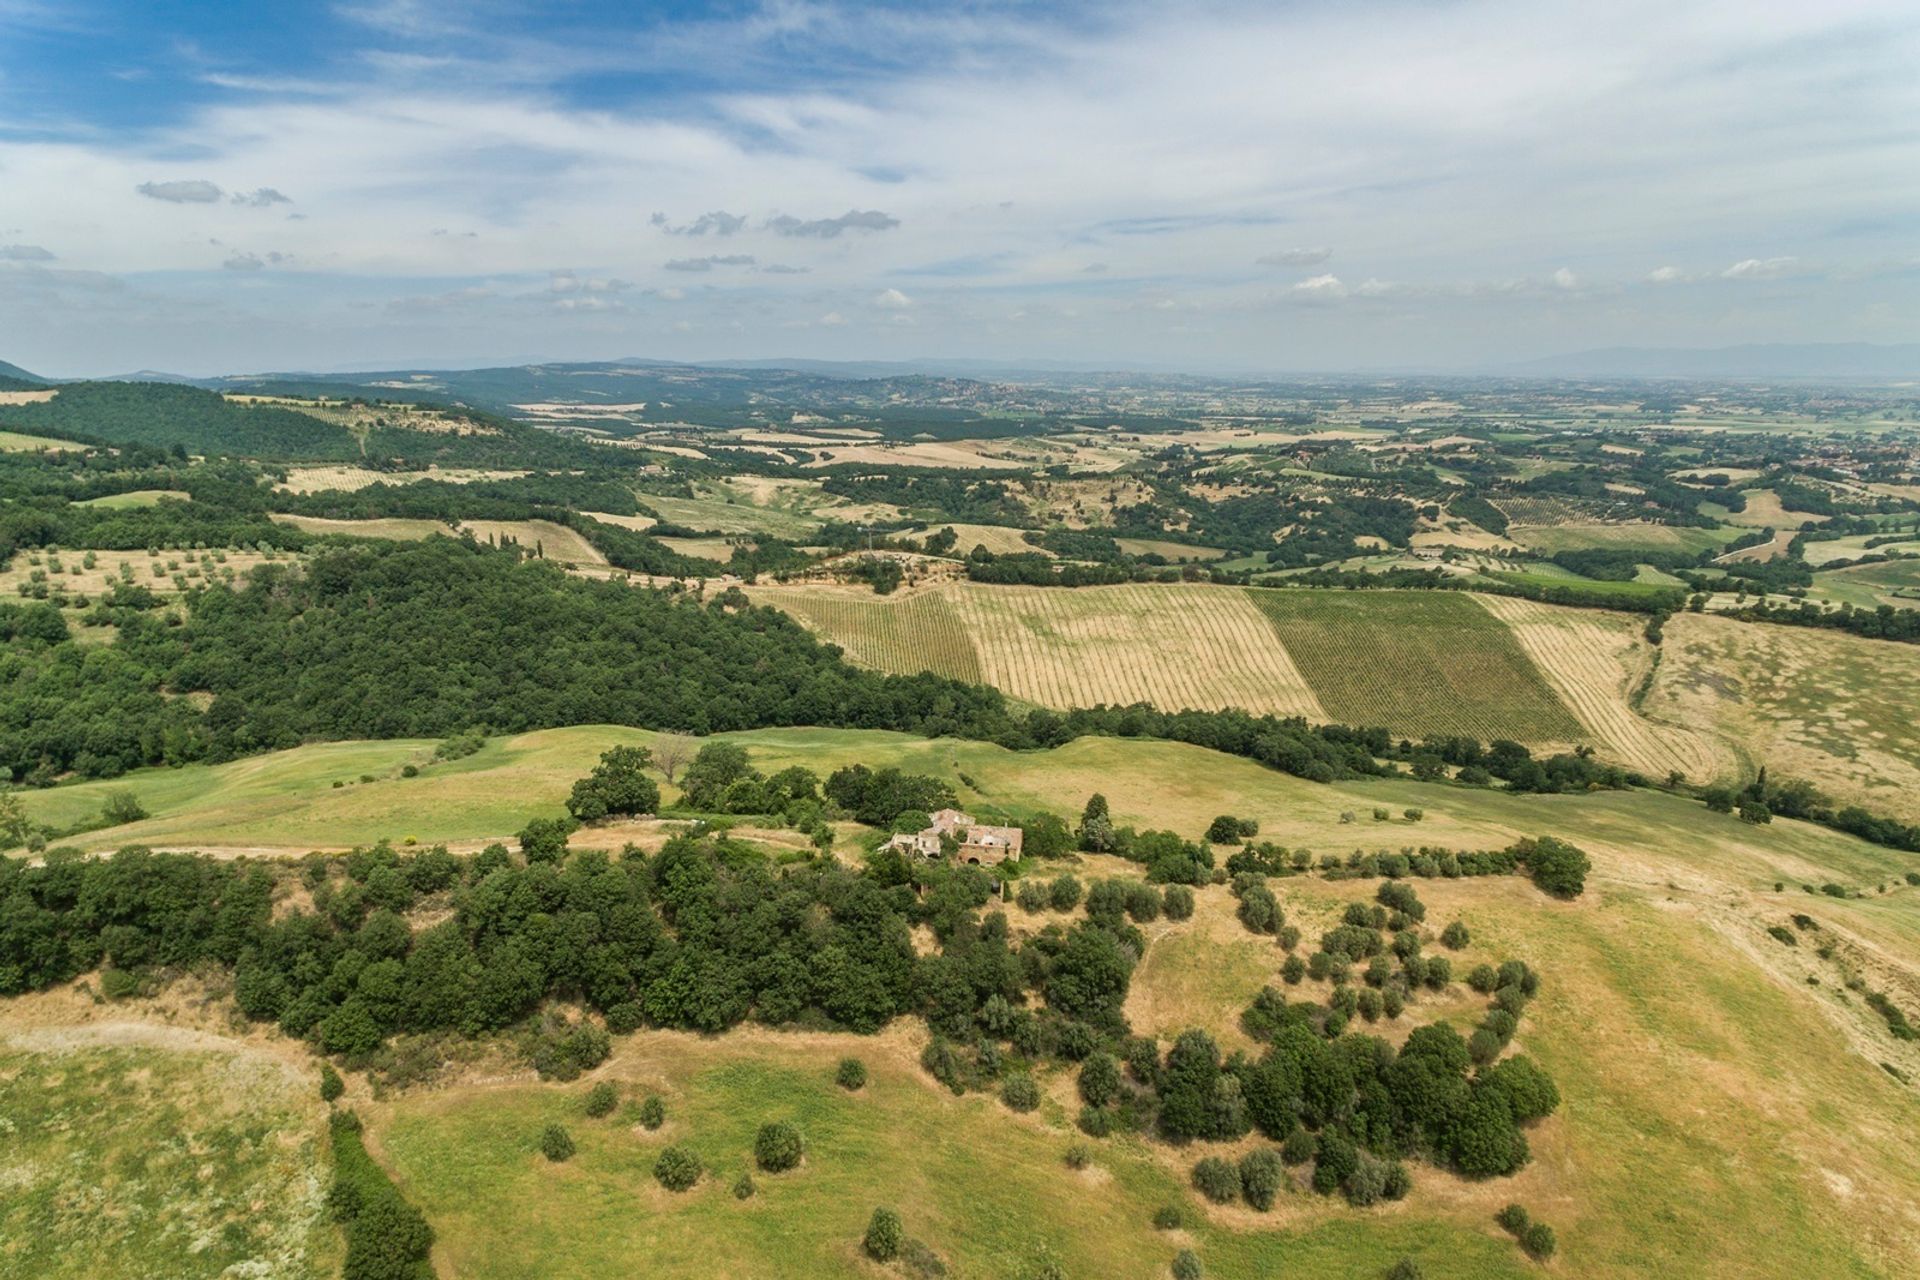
[[1846, 360], [14, 373]]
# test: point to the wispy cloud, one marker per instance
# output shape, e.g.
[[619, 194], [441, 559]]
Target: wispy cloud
[[1294, 258], [709, 262], [188, 191], [719, 223], [830, 228]]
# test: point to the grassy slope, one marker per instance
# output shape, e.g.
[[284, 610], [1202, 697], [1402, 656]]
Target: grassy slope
[[123, 1161], [1782, 1155]]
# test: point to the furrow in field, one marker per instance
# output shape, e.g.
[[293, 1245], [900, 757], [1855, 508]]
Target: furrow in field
[[1591, 659]]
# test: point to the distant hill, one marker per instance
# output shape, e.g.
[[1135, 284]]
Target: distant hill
[[14, 378], [1849, 360]]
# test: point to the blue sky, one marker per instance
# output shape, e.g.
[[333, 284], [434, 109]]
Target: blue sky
[[218, 187]]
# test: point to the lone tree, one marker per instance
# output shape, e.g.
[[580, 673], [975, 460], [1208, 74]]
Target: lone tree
[[618, 786], [882, 1241], [671, 751]]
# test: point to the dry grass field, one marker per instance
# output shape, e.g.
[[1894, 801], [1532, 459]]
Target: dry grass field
[[137, 498], [135, 1149], [1840, 711], [18, 442], [345, 479], [556, 542], [1763, 511], [1594, 660], [397, 528]]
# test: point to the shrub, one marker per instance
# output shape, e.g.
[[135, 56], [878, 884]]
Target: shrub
[[1455, 935], [556, 1144], [1783, 934], [625, 1018], [331, 1085], [1099, 1080], [601, 1099], [1167, 1218], [653, 1112], [121, 807], [1260, 1176], [1299, 1146], [1407, 1268], [676, 1169], [1031, 896], [1020, 1093], [1483, 979], [1095, 1123], [1293, 970], [1179, 902], [882, 1240], [851, 1074], [743, 1187], [1186, 1265], [1217, 1180], [1064, 893], [776, 1148], [1538, 1240], [1513, 1218]]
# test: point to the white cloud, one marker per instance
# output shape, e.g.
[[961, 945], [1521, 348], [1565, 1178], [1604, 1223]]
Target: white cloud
[[1565, 279], [892, 300], [1760, 268], [1431, 149]]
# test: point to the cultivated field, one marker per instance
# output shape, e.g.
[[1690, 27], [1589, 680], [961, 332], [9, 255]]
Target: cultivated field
[[1837, 710], [1595, 661], [156, 573], [1551, 540], [1418, 662], [922, 632], [1175, 646]]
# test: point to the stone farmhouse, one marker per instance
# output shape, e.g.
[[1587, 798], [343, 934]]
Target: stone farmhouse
[[979, 844]]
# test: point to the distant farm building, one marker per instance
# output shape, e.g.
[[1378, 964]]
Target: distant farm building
[[977, 843]]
